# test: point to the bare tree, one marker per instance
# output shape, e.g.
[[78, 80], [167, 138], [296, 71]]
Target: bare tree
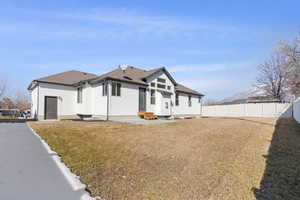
[[272, 76], [21, 101], [291, 51], [7, 103], [2, 88]]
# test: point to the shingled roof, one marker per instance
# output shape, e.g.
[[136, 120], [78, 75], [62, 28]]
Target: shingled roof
[[182, 88], [67, 78], [130, 74]]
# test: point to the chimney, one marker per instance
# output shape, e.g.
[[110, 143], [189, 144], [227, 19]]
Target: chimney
[[123, 67]]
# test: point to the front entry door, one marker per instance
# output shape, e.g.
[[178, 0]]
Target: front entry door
[[166, 104], [50, 107], [142, 99]]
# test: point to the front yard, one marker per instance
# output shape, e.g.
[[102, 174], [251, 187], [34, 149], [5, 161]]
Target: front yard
[[208, 158]]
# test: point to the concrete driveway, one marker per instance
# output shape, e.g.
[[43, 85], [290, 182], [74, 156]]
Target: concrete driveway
[[27, 171]]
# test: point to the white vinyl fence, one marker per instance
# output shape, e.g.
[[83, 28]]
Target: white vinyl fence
[[296, 110], [249, 110]]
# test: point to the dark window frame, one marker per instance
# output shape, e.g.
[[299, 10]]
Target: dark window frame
[[113, 89], [168, 87], [161, 80], [152, 97], [79, 95], [119, 85], [116, 89], [177, 99], [152, 84], [190, 100], [104, 88], [161, 86]]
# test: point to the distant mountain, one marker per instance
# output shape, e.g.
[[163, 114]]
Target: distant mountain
[[253, 92], [256, 93]]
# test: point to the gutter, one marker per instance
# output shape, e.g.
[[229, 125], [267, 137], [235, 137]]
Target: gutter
[[179, 91]]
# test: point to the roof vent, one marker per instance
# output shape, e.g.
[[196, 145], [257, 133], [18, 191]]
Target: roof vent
[[123, 66], [127, 77]]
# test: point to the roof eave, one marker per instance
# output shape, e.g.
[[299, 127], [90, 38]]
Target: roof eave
[[193, 93], [164, 70], [116, 79], [56, 83]]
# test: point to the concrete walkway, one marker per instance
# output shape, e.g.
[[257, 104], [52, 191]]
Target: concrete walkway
[[27, 171]]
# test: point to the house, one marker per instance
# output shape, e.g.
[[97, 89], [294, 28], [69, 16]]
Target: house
[[124, 91]]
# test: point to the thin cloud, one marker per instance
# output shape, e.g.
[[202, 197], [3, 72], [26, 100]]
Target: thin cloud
[[130, 23], [114, 24]]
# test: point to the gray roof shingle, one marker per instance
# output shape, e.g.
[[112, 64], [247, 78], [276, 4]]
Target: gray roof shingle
[[67, 78], [182, 88], [130, 74]]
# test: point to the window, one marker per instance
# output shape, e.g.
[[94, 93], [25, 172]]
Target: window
[[152, 97], [113, 89], [177, 99], [190, 101], [199, 99], [116, 89], [152, 84], [79, 95], [161, 86], [169, 87], [104, 89], [161, 80]]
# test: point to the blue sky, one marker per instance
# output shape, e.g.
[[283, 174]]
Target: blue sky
[[211, 46]]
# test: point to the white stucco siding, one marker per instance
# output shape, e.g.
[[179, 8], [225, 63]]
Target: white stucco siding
[[34, 101], [99, 101], [153, 78], [66, 98], [86, 106], [158, 107], [183, 108], [153, 107], [127, 103], [296, 110]]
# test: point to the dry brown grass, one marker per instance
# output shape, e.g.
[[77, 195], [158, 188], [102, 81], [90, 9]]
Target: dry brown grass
[[208, 158]]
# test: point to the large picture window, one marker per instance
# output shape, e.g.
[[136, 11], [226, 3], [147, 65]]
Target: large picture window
[[152, 97], [79, 95]]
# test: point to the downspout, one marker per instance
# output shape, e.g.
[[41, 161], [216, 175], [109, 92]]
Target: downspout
[[107, 100], [38, 101], [200, 106]]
